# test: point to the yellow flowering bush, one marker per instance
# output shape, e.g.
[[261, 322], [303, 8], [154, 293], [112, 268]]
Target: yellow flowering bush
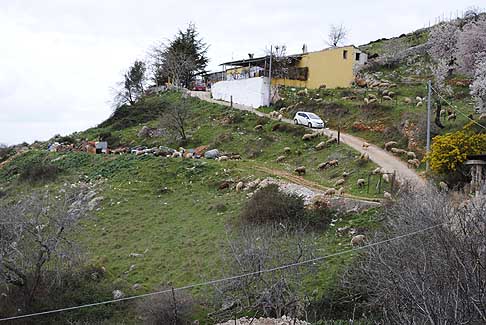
[[449, 151]]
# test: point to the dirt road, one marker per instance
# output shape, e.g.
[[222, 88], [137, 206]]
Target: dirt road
[[378, 155]]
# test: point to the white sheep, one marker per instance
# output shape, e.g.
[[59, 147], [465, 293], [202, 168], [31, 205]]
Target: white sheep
[[258, 127], [365, 145], [280, 158], [339, 182], [358, 240], [321, 146], [387, 98], [340, 192], [419, 104], [223, 158], [346, 174], [413, 163], [364, 156], [300, 170], [287, 149], [239, 186], [386, 178], [376, 171], [279, 117], [411, 155], [361, 182], [366, 100], [443, 186], [387, 195], [418, 99], [390, 144], [330, 192], [331, 140]]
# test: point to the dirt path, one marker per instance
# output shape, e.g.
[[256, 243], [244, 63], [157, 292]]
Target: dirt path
[[307, 183], [378, 155]]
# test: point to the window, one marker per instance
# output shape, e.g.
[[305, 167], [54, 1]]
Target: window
[[345, 54], [358, 56]]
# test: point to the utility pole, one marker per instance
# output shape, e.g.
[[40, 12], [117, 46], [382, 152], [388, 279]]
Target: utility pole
[[429, 107], [270, 77]]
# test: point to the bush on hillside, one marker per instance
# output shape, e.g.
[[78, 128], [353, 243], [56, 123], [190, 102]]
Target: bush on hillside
[[5, 152], [167, 308], [37, 173], [450, 151]]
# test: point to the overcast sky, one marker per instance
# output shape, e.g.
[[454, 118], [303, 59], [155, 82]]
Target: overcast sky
[[59, 59]]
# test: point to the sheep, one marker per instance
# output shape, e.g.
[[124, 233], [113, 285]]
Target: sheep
[[453, 116], [365, 145], [300, 170], [443, 186], [223, 158], [331, 140], [287, 149], [390, 144], [339, 182], [386, 178], [443, 113], [176, 154], [333, 162], [361, 182], [387, 195], [340, 192], [413, 163], [373, 100], [407, 100], [279, 117], [330, 192], [411, 155], [320, 146], [309, 136], [418, 99], [371, 96], [323, 165], [391, 93], [345, 174], [387, 98], [367, 101], [239, 186], [280, 158], [358, 240], [258, 127], [253, 184], [419, 104], [398, 151], [376, 171], [319, 201], [364, 156]]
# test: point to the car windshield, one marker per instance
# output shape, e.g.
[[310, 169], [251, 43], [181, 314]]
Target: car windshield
[[313, 116]]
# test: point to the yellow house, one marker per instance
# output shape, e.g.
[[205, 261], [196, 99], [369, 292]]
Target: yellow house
[[330, 68]]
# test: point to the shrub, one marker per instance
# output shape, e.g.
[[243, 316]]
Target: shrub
[[450, 151], [270, 204], [5, 152], [167, 308], [43, 172], [289, 128]]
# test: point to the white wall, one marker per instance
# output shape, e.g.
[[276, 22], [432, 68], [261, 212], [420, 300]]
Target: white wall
[[250, 92]]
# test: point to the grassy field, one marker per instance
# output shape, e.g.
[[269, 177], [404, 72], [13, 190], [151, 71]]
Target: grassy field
[[170, 210]]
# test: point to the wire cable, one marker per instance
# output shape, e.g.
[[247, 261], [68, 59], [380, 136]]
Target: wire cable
[[212, 282]]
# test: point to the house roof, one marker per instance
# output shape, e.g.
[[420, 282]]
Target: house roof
[[262, 59]]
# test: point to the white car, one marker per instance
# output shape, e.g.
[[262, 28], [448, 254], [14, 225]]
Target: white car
[[308, 119]]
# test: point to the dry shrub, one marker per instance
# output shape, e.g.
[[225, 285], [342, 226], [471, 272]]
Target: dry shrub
[[167, 308], [42, 172]]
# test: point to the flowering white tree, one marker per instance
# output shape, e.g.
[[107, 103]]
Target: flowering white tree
[[443, 43], [478, 87], [472, 42], [440, 72]]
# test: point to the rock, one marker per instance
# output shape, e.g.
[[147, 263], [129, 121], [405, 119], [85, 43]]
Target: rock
[[212, 154], [135, 255], [118, 294]]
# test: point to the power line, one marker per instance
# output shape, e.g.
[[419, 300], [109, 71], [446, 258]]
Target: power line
[[282, 267], [457, 109]]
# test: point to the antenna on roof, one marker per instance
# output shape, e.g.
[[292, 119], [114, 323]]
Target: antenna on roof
[[304, 48]]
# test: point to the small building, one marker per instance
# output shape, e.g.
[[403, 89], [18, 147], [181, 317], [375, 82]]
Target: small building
[[478, 173], [331, 68], [247, 82]]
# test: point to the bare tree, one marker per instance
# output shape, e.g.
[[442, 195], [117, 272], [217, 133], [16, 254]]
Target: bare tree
[[34, 239], [175, 120], [337, 34], [434, 277], [256, 248]]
